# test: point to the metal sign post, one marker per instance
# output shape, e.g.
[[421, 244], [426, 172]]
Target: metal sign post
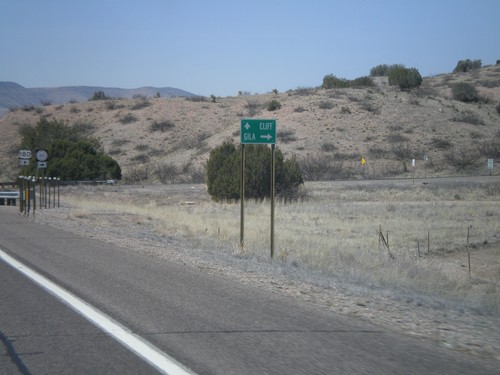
[[257, 131]]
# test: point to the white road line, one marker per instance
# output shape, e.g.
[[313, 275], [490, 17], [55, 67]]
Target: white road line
[[133, 342]]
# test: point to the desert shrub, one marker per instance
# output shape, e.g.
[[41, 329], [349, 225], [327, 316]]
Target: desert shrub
[[301, 109], [345, 110], [253, 107], [328, 147], [331, 82], [84, 128], [273, 105], [467, 65], [119, 142], [368, 105], [463, 158], [468, 117], [403, 151], [140, 158], [441, 143], [405, 78], [325, 104], [99, 95], [162, 126], [196, 98], [141, 147], [413, 100], [322, 168], [286, 136], [137, 173], [110, 105], [364, 81], [464, 92], [305, 91], [378, 152], [128, 119], [167, 173], [379, 70], [223, 173], [140, 101], [490, 149]]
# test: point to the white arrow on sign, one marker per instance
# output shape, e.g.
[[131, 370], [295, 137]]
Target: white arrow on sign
[[247, 126], [266, 136]]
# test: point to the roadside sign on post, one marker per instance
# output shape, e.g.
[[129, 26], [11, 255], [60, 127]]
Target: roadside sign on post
[[258, 131]]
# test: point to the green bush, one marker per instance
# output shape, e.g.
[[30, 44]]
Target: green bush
[[464, 92], [379, 70], [332, 82], [362, 82], [467, 65], [223, 173], [71, 156], [405, 78], [273, 105]]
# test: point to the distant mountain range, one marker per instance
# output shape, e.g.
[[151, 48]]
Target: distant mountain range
[[13, 95]]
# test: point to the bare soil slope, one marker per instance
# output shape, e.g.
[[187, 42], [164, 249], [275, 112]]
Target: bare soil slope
[[383, 125]]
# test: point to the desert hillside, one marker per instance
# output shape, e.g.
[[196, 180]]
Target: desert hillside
[[331, 128]]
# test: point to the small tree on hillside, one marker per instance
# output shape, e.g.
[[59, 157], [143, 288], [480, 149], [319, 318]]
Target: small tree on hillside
[[467, 65], [403, 77]]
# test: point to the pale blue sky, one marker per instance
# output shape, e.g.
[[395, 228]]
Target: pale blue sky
[[222, 47]]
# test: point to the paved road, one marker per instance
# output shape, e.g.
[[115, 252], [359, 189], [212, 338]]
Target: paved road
[[206, 322]]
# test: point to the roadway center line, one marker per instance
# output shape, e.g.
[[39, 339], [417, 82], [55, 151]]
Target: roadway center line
[[162, 361]]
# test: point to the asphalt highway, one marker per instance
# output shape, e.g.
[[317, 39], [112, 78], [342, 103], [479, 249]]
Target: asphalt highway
[[207, 323]]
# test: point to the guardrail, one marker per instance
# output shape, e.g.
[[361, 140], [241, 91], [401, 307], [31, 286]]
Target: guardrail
[[8, 198]]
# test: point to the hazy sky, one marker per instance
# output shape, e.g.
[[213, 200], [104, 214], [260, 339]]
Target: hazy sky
[[222, 47]]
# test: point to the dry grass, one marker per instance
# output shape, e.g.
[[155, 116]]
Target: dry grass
[[336, 232]]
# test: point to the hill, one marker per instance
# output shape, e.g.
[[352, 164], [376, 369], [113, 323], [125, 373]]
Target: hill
[[329, 131], [13, 95]]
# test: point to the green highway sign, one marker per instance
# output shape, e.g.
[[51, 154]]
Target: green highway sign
[[255, 131]]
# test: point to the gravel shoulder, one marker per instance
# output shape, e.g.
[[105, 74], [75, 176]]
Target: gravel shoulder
[[436, 320]]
